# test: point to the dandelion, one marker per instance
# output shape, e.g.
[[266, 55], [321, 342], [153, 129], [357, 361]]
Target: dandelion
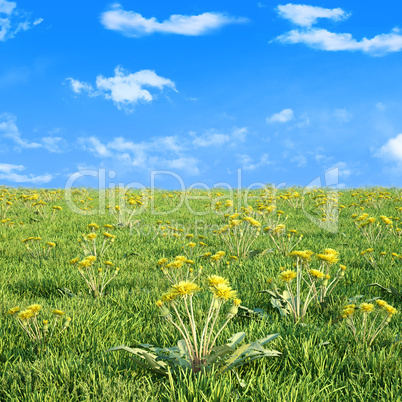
[[287, 276], [214, 280], [58, 313], [329, 258], [367, 307], [51, 244], [92, 236], [223, 292], [185, 288], [13, 311], [305, 255], [317, 274], [35, 308], [169, 297], [26, 315]]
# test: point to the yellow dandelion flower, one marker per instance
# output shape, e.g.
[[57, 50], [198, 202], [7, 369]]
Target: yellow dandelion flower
[[58, 313], [74, 260], [184, 288], [26, 315], [329, 258], [108, 226], [159, 303], [236, 302], [181, 258], [108, 235], [13, 311], [316, 273], [305, 255], [109, 263], [287, 276], [91, 258], [91, 236], [206, 255], [35, 308], [93, 226], [51, 244], [168, 297], [85, 263], [367, 307], [223, 292], [381, 303], [162, 261], [192, 244], [214, 280], [390, 310]]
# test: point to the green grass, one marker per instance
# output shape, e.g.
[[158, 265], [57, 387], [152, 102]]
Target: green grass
[[320, 359]]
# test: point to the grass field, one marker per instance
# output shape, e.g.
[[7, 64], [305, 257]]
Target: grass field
[[320, 358]]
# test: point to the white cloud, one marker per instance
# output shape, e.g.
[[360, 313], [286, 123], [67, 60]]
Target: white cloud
[[344, 169], [13, 21], [247, 163], [53, 144], [7, 172], [9, 130], [281, 117], [342, 115], [212, 138], [157, 153], [133, 24], [124, 89], [79, 87], [305, 15], [7, 168], [392, 149], [7, 7], [324, 40], [300, 160]]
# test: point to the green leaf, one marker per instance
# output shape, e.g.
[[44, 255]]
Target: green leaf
[[277, 304], [235, 339], [217, 353], [267, 339], [395, 292]]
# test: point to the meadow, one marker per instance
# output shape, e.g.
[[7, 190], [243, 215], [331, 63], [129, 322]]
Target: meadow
[[291, 263]]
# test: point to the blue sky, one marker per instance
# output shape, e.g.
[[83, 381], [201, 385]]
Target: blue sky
[[283, 91]]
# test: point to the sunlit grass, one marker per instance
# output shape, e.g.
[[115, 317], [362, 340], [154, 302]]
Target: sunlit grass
[[321, 358]]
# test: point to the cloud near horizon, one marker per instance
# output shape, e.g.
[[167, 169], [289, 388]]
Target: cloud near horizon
[[10, 131], [7, 172]]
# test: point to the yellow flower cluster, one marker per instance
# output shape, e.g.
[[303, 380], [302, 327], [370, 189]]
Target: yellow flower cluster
[[287, 276], [305, 255]]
